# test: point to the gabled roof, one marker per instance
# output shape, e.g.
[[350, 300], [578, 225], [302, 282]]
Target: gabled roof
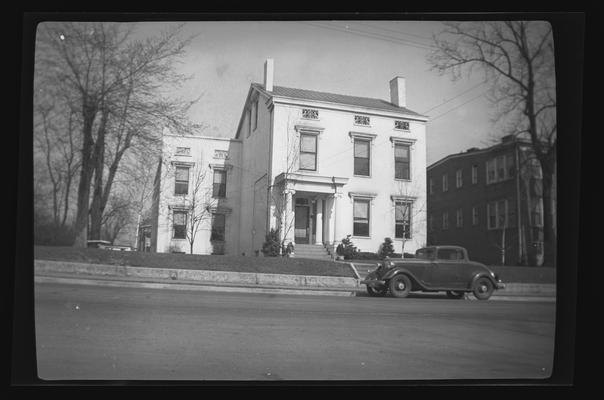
[[311, 95]]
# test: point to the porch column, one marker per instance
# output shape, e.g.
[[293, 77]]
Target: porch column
[[319, 222]]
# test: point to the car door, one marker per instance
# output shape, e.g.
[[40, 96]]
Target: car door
[[447, 271]]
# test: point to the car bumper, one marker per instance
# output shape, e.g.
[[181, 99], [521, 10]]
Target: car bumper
[[373, 282], [499, 285]]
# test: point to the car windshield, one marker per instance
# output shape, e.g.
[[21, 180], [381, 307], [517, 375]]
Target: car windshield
[[426, 254]]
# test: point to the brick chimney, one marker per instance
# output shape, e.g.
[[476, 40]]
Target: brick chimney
[[398, 95], [268, 74]]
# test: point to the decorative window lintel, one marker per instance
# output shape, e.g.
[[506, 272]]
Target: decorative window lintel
[[361, 135], [309, 130], [224, 167], [399, 140]]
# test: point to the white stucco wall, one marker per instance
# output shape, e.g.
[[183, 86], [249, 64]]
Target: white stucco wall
[[202, 154]]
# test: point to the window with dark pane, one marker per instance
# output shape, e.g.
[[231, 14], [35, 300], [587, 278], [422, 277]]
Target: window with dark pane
[[219, 185], [361, 157], [361, 218], [218, 227], [308, 152], [402, 217], [182, 180], [179, 224], [401, 161]]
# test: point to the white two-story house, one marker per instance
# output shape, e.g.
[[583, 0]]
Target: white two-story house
[[316, 166]]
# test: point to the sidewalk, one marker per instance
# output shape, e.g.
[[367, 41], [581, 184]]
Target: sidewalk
[[126, 276]]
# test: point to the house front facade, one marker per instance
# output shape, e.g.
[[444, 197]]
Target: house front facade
[[317, 167]]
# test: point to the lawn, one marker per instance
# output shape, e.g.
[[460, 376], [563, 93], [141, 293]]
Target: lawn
[[266, 265]]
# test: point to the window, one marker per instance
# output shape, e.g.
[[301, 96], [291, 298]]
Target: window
[[402, 161], [445, 220], [310, 114], [308, 152], [445, 182], [218, 227], [361, 157], [449, 254], [458, 178], [179, 224], [474, 215], [402, 217], [255, 115], [431, 185], [474, 174], [403, 125], [360, 217], [500, 168], [459, 218], [497, 213], [182, 180], [183, 151], [219, 183], [361, 120], [537, 213]]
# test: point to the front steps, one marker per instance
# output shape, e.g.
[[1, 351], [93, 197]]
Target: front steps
[[315, 251]]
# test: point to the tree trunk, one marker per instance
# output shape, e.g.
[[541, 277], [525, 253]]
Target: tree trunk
[[97, 206], [89, 111], [549, 218]]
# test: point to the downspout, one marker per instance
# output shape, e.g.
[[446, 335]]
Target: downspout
[[335, 213]]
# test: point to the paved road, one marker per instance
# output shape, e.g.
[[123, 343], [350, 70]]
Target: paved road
[[90, 332]]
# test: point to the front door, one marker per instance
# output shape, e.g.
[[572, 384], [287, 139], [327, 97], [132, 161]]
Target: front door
[[301, 225]]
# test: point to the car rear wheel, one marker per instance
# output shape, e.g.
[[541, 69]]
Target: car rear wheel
[[454, 294], [377, 292], [400, 286], [483, 288]]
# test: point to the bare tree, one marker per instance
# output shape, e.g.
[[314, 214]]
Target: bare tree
[[518, 59], [116, 82], [410, 208]]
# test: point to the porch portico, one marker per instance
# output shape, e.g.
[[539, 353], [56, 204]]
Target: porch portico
[[311, 208]]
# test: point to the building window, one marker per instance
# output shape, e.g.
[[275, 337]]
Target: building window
[[458, 178], [431, 185], [474, 174], [361, 217], [500, 168], [183, 151], [402, 219], [445, 220], [179, 224], [310, 113], [459, 218], [474, 215], [255, 115], [218, 227], [445, 182], [497, 214], [403, 125], [308, 152], [361, 120], [181, 180], [402, 161], [362, 149], [537, 213], [219, 183]]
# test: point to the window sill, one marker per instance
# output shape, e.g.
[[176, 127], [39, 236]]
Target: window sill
[[361, 176], [402, 179], [361, 237]]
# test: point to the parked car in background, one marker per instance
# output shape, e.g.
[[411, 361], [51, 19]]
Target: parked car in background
[[434, 269]]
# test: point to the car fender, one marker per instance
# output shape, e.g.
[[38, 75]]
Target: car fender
[[481, 274], [402, 271]]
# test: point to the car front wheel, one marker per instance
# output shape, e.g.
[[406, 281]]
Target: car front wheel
[[483, 288], [400, 286], [454, 294], [377, 292]]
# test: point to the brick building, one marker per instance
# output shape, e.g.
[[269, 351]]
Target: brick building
[[488, 201]]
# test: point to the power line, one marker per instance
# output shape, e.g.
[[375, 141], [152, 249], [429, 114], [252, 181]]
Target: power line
[[455, 108], [371, 36], [394, 31], [453, 98]]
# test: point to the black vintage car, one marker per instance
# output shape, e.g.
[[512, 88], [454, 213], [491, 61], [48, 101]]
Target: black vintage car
[[434, 269]]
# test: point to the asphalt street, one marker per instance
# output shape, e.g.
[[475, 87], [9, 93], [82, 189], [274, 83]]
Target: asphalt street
[[115, 333]]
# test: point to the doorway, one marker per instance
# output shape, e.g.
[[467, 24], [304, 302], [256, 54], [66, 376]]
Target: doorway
[[301, 227]]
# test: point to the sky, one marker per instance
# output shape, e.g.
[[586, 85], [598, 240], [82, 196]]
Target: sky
[[356, 58]]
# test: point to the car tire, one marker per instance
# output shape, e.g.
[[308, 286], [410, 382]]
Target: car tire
[[483, 288], [400, 286], [455, 294], [373, 292]]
